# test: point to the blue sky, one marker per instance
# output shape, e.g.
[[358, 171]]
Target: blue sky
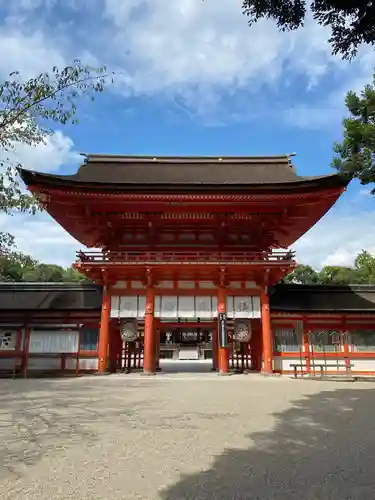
[[191, 78]]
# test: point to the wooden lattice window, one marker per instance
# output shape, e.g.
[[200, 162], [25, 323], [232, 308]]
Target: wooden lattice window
[[363, 340], [322, 340], [287, 340], [89, 339]]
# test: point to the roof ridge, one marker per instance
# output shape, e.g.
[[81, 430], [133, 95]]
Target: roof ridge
[[92, 158]]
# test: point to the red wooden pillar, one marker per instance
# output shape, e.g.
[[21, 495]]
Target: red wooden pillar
[[149, 365], [266, 331], [345, 338], [306, 345], [104, 332], [223, 350], [26, 350], [115, 344], [256, 346], [157, 347], [215, 347]]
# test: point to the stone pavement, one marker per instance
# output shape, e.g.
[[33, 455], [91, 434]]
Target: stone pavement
[[186, 436]]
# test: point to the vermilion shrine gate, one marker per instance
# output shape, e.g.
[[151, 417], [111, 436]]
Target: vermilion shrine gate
[[186, 247]]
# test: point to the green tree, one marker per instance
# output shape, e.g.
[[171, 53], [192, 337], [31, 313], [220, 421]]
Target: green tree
[[16, 266], [336, 275], [13, 265], [302, 275], [364, 267], [355, 155], [352, 22], [43, 273], [71, 274], [27, 109]]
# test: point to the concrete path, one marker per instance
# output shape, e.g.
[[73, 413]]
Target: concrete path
[[186, 436]]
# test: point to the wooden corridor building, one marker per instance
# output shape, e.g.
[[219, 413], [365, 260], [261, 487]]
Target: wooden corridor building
[[55, 327]]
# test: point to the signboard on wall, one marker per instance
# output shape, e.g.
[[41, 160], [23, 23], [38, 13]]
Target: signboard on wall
[[8, 339], [223, 332]]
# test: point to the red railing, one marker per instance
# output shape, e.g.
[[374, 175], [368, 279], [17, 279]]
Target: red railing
[[156, 257]]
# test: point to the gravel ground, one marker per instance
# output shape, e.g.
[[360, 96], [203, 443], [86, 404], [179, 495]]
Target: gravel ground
[[186, 436]]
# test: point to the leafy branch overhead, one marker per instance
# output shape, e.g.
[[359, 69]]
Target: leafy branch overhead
[[28, 109], [352, 22], [355, 155]]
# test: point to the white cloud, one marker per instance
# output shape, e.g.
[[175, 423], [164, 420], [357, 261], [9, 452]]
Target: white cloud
[[191, 51], [57, 150], [199, 52], [29, 54], [170, 45], [41, 237], [328, 110], [337, 238]]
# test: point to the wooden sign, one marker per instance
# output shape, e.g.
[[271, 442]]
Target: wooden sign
[[223, 332]]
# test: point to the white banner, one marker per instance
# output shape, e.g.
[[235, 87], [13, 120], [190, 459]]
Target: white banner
[[187, 307], [115, 306], [206, 307], [167, 308], [128, 306], [243, 307], [53, 342]]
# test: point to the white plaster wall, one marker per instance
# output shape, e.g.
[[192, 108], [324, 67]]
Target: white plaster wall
[[120, 284], [8, 363], [84, 363], [281, 363], [330, 365], [44, 363], [363, 365]]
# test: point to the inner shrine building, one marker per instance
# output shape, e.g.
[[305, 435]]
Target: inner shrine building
[[185, 249]]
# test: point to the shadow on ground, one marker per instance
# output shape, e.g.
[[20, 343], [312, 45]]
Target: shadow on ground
[[39, 417], [321, 448]]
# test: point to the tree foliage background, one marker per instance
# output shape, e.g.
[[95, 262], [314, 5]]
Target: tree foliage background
[[16, 266], [363, 272], [355, 155]]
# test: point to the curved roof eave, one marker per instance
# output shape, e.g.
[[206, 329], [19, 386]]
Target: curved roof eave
[[31, 178]]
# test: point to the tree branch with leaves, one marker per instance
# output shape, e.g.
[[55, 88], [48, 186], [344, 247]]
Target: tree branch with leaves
[[27, 111], [355, 155], [352, 22]]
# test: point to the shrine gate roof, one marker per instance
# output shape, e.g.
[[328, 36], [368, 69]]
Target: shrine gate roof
[[110, 172]]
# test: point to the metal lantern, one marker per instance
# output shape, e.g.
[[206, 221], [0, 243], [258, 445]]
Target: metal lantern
[[242, 332], [129, 330]]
